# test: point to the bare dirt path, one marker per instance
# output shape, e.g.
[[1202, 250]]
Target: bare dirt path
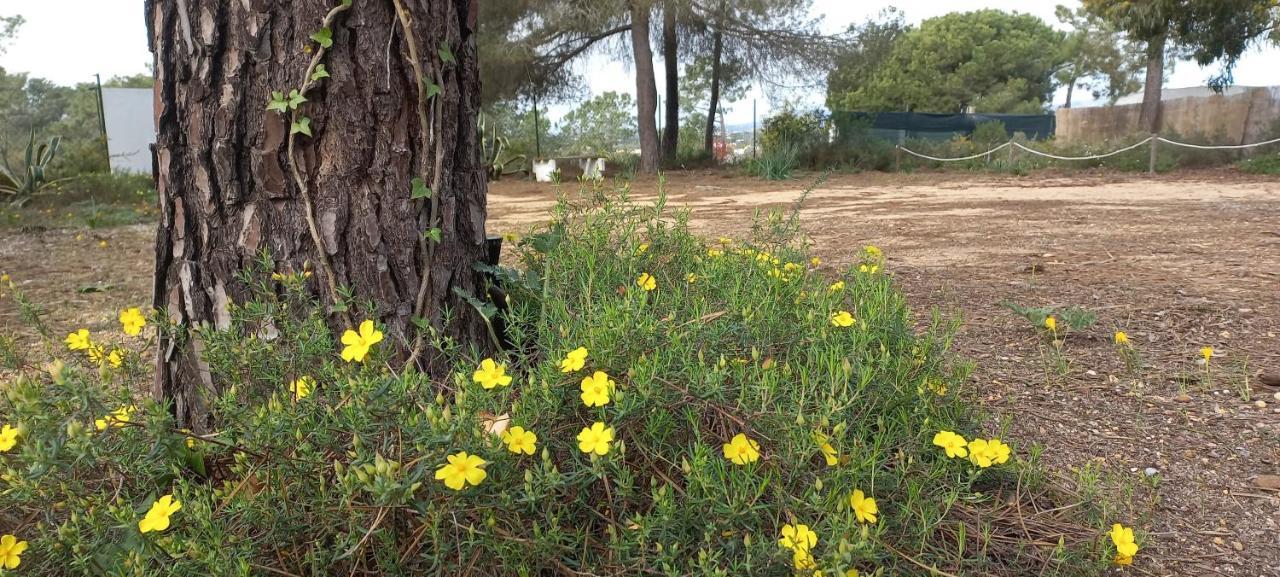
[[1178, 262]]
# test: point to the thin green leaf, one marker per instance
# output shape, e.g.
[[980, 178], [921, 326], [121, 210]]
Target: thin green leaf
[[295, 98], [420, 190], [323, 37], [319, 73], [446, 55], [303, 125]]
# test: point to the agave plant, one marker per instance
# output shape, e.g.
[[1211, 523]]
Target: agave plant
[[31, 178], [491, 149]]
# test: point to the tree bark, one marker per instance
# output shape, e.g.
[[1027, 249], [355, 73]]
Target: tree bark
[[228, 190], [717, 51], [1149, 117], [671, 61], [646, 87], [1071, 87]]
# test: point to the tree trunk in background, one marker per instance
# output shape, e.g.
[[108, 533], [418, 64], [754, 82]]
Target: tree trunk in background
[[646, 88], [227, 192], [671, 60], [1149, 117], [717, 50], [1071, 87]]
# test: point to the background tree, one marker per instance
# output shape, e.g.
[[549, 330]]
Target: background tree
[[1208, 32], [603, 124], [646, 86], [325, 183], [1097, 57], [987, 60], [871, 44]]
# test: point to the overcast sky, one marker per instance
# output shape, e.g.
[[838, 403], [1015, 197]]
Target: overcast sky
[[67, 41]]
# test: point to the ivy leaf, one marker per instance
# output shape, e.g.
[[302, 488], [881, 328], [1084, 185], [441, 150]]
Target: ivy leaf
[[432, 89], [319, 73], [295, 98], [420, 190], [303, 125], [323, 37], [446, 55], [346, 2], [278, 102], [432, 233]]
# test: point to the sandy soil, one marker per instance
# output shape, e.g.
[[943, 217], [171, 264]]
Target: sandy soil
[[1178, 262]]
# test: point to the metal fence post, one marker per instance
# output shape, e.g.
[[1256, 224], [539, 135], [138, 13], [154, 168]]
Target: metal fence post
[[1151, 162]]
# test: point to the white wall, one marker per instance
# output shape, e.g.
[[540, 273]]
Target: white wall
[[130, 127]]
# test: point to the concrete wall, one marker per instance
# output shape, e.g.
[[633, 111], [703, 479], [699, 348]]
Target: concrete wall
[[1240, 118], [131, 128]]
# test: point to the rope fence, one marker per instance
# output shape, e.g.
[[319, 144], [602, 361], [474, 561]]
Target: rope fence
[[1150, 140]]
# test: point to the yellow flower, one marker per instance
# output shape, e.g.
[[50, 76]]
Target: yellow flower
[[798, 537], [461, 470], [519, 440], [872, 269], [1121, 338], [864, 507], [643, 248], [10, 550], [575, 360], [842, 319], [4, 277], [8, 438], [836, 287], [646, 281], [741, 450], [952, 443], [157, 518], [117, 418], [96, 353], [358, 344], [938, 387], [873, 252], [1207, 353], [979, 453], [491, 374], [1051, 323], [1126, 547], [815, 261], [803, 560], [596, 388], [79, 340], [302, 387], [132, 321], [691, 278], [829, 452], [595, 439], [851, 573], [998, 451], [715, 253]]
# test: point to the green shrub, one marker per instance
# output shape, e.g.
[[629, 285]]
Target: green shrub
[[1262, 164], [732, 339], [777, 162]]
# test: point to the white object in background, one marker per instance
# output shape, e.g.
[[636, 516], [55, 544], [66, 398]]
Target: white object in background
[[130, 119], [542, 169], [592, 167]]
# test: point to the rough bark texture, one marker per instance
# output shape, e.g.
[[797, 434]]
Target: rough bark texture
[[717, 51], [646, 88], [1149, 119], [223, 173], [671, 63]]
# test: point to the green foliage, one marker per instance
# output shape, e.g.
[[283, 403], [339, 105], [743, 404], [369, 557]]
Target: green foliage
[[601, 126], [1263, 164], [323, 37], [776, 162], [987, 61], [1097, 57], [871, 45], [493, 151], [1072, 318], [343, 480], [31, 177], [990, 133], [419, 189]]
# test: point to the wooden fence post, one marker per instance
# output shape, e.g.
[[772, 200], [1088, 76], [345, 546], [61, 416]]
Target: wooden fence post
[[897, 158], [1151, 162]]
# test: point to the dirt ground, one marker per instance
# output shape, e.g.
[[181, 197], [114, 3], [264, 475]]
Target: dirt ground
[[1178, 262]]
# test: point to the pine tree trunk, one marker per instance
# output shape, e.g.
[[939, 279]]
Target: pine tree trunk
[[646, 87], [228, 189], [671, 61], [717, 50], [1149, 117], [1071, 87]]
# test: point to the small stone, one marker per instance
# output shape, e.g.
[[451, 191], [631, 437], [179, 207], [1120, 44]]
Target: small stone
[[1219, 541], [1183, 398], [1261, 404], [1150, 471], [1276, 396], [1091, 373], [1238, 546]]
